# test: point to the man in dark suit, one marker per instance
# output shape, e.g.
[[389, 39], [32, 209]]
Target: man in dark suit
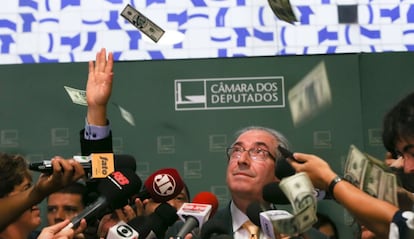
[[251, 165]]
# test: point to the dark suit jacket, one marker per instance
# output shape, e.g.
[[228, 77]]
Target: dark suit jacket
[[95, 146]]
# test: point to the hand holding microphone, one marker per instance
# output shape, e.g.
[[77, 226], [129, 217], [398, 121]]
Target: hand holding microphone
[[58, 231], [152, 226], [195, 214], [114, 191], [96, 165], [64, 172]]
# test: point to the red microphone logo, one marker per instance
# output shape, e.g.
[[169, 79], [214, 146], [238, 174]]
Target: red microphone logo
[[164, 184]]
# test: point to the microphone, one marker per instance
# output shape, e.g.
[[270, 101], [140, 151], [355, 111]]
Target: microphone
[[262, 217], [195, 214], [96, 165], [114, 191], [162, 186], [215, 228], [253, 211], [152, 226], [284, 169], [273, 193]]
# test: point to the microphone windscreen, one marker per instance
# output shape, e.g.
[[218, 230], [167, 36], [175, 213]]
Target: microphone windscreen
[[167, 213], [207, 198], [253, 212], [163, 185], [119, 186], [283, 169], [164, 216], [124, 161], [273, 193], [213, 228]]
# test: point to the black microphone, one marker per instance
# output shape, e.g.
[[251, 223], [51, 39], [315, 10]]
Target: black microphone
[[253, 212], [114, 191], [215, 228], [157, 222], [152, 226], [96, 165], [283, 169]]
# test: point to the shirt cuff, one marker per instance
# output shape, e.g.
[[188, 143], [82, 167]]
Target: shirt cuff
[[95, 132]]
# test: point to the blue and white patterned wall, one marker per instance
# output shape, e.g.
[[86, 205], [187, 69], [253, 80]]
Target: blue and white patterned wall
[[38, 31]]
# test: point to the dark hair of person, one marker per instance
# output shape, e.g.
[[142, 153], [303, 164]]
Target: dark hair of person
[[76, 188], [13, 170], [398, 124]]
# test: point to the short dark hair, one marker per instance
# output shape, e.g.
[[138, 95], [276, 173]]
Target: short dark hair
[[13, 170], [398, 123], [76, 188]]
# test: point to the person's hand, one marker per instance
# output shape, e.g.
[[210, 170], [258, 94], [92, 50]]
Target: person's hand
[[126, 213], [99, 87], [106, 222], [395, 164], [64, 173], [316, 168], [58, 231], [139, 205]]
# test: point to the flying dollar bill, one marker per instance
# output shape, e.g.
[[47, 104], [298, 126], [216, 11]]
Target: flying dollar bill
[[77, 96], [125, 114], [283, 10], [310, 96], [142, 23]]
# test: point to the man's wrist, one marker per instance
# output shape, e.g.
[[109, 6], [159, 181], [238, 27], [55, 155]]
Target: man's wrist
[[331, 186]]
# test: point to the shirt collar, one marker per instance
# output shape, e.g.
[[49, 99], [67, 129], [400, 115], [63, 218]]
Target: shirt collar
[[238, 217]]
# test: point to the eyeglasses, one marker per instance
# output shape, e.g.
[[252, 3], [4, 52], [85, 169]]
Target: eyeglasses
[[257, 154]]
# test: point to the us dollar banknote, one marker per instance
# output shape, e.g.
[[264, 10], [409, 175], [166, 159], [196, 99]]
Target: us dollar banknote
[[356, 165], [310, 96], [142, 23], [371, 175], [77, 96], [283, 10], [299, 190]]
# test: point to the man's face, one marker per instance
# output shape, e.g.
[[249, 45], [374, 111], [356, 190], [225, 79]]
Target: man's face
[[30, 219], [177, 202], [61, 206], [406, 149], [245, 176]]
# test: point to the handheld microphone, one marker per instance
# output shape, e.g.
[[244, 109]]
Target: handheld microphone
[[114, 191], [284, 169], [215, 228], [262, 217], [96, 165], [162, 186], [152, 226], [195, 214], [253, 211]]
